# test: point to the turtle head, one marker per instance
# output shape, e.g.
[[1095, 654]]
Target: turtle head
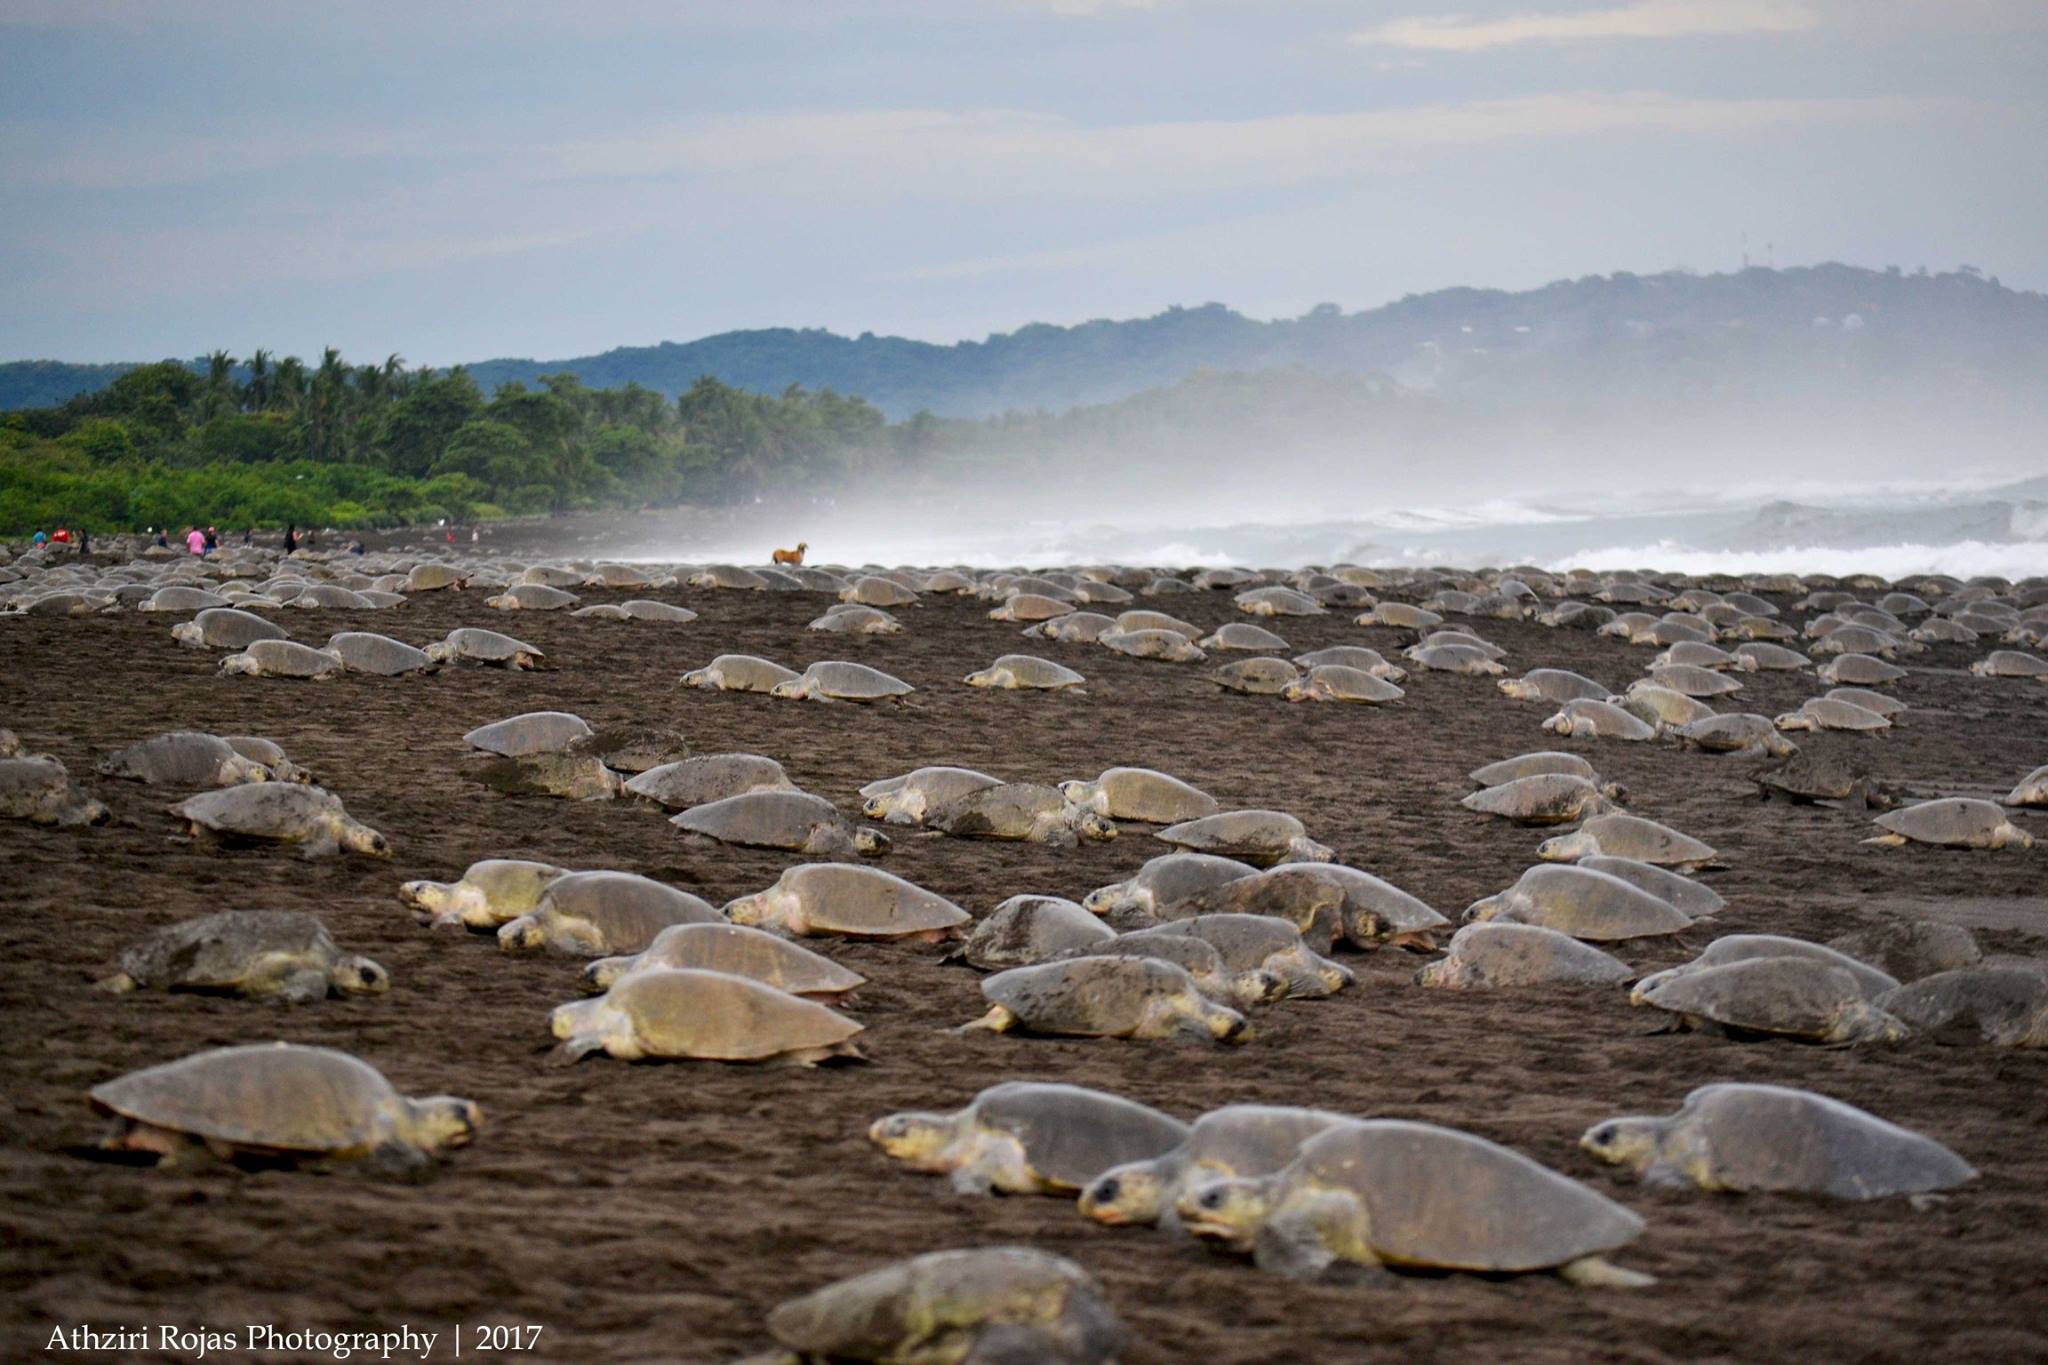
[[440, 1122], [1517, 688], [1227, 1211], [360, 838], [871, 843], [1080, 793], [1302, 849], [1559, 724], [1094, 826], [430, 899], [915, 1138], [1219, 1022], [601, 975], [1446, 973], [789, 689], [758, 911], [1567, 848], [1794, 720], [1298, 690], [1104, 900], [440, 651], [1630, 1142], [522, 935], [1489, 907], [1639, 993], [1122, 1195], [1615, 792], [235, 770], [360, 976], [238, 663], [980, 677], [1259, 987]]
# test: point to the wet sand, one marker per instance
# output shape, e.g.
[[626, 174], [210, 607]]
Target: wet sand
[[656, 1212]]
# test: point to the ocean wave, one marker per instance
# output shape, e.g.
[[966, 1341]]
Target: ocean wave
[[1963, 559]]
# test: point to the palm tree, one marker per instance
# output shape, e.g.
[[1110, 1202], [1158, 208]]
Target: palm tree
[[259, 379], [220, 381]]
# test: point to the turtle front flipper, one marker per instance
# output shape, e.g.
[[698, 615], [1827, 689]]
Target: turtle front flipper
[[997, 1020], [1303, 1241], [1592, 1272]]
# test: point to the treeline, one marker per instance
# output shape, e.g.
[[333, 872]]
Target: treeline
[[267, 441]]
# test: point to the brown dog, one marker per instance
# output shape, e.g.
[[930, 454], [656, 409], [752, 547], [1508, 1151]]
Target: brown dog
[[795, 556]]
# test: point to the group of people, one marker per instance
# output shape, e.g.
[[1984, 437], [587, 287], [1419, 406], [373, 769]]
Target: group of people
[[199, 542], [81, 539]]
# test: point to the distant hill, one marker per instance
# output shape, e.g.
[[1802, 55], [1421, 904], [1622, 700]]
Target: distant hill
[[1833, 329]]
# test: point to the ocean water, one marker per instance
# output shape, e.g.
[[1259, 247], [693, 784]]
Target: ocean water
[[1892, 530]]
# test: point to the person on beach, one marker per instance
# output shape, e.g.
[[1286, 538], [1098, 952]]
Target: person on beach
[[212, 539], [291, 539], [195, 541], [163, 539], [39, 539]]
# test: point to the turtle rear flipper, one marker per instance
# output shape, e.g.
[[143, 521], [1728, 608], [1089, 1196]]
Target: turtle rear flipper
[[1591, 1272]]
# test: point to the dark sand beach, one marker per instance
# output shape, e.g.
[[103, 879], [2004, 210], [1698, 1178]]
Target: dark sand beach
[[657, 1212]]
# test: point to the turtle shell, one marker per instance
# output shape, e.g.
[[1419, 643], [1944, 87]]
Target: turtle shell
[[277, 1097]]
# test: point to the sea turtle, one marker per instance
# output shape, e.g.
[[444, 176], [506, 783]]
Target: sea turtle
[[1545, 799], [1598, 720], [1533, 765], [2006, 1003], [1025, 672], [1828, 713], [430, 577], [1453, 659], [1695, 654], [1871, 981], [1399, 615], [908, 799], [1689, 680], [1859, 670], [1688, 896], [182, 597], [1889, 707], [533, 597], [1023, 811], [853, 620], [876, 591], [1030, 607], [642, 609], [837, 680], [1027, 1137], [1741, 1138], [1277, 601], [2010, 663], [632, 748], [602, 914], [1143, 795], [1630, 836], [1797, 997], [987, 1306], [1080, 628], [363, 652], [286, 954], [330, 597], [1202, 963], [282, 812], [1812, 776], [848, 901], [283, 659], [1951, 822], [257, 749], [1028, 929], [2031, 790], [1744, 733], [1106, 997], [706, 778], [682, 1012], [1240, 1141], [279, 1102], [491, 892], [467, 644], [1242, 637], [728, 576], [1339, 683], [1504, 953], [736, 950], [1251, 944], [792, 820], [183, 758], [1323, 901], [1556, 685], [1764, 657], [1169, 645], [1586, 905], [1163, 881], [1260, 837], [1400, 1194], [1660, 706], [536, 732], [739, 673], [1463, 638], [1911, 948], [1133, 622], [226, 628], [1353, 656]]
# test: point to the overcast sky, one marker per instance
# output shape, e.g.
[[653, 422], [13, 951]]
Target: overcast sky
[[455, 181]]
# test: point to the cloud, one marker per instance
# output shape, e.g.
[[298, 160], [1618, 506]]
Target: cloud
[[1642, 19], [988, 155]]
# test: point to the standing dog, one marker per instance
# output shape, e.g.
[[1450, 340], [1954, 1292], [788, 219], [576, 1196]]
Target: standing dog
[[795, 556]]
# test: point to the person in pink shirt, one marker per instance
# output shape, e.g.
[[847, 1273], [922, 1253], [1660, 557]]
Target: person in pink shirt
[[195, 541]]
